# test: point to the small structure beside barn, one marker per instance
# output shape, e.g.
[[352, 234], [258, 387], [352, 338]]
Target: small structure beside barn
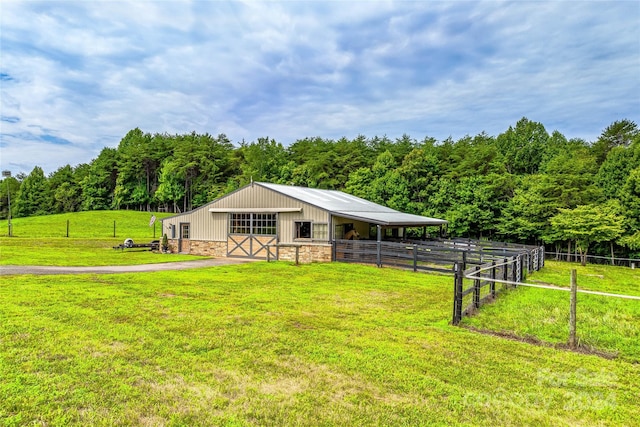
[[263, 220]]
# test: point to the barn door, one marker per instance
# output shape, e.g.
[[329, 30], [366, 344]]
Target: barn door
[[250, 235], [251, 246], [184, 244]]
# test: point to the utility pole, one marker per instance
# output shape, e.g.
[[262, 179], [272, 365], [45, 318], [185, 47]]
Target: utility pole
[[6, 174]]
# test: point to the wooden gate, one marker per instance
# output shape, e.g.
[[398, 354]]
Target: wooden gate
[[251, 245]]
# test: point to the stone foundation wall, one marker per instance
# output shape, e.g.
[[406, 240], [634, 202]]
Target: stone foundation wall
[[207, 248], [306, 253], [202, 247]]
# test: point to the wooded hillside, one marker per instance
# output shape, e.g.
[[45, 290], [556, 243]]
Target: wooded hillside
[[524, 185]]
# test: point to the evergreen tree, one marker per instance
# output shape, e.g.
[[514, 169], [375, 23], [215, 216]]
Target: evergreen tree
[[34, 195]]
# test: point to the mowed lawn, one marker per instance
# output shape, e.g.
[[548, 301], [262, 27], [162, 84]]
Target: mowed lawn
[[279, 344], [609, 324], [78, 252], [41, 240], [88, 224]]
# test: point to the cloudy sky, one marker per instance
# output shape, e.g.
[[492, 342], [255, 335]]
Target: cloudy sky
[[77, 76]]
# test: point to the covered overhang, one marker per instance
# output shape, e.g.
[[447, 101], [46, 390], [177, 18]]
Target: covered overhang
[[391, 219]]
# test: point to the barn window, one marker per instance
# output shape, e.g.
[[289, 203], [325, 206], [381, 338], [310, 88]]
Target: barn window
[[253, 223], [308, 230], [320, 231], [303, 229], [184, 231], [240, 223], [264, 224]]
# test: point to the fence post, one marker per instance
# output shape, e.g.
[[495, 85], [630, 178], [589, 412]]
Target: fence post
[[514, 270], [476, 288], [464, 260], [505, 271], [415, 257], [114, 229], [492, 285], [457, 293], [572, 309], [67, 228], [334, 248], [297, 254]]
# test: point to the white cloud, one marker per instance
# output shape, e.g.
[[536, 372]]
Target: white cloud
[[87, 72]]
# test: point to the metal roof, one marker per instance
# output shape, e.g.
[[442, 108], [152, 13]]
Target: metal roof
[[348, 206]]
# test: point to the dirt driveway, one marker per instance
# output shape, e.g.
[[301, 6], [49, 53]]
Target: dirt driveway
[[7, 270]]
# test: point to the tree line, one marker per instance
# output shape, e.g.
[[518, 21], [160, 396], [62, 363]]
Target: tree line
[[525, 185]]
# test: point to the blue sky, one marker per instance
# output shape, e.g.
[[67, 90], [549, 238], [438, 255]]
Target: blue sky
[[77, 76]]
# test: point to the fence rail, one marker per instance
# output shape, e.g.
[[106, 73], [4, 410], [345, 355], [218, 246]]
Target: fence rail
[[436, 255], [595, 259], [481, 281], [488, 263], [475, 286], [402, 255]]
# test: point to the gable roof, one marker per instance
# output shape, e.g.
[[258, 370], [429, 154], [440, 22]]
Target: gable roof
[[348, 206]]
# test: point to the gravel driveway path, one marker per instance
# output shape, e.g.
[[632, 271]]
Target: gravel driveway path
[[6, 270]]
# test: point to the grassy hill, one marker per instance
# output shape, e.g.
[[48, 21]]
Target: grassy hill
[[91, 224], [41, 240]]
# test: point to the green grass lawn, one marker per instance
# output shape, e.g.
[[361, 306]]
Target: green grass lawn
[[77, 252], [88, 225], [278, 344], [40, 240], [604, 323]]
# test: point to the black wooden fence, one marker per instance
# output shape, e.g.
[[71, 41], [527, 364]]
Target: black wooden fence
[[480, 268], [479, 284], [434, 255], [418, 257]]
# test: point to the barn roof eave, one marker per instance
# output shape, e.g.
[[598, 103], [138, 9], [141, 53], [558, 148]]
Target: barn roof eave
[[398, 219]]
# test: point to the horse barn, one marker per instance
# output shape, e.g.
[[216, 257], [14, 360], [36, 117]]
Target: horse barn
[[274, 221]]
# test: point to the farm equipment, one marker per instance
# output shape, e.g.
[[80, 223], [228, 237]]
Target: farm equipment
[[154, 245]]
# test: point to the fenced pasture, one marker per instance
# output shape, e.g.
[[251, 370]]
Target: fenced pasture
[[41, 240], [493, 264], [279, 344], [604, 323], [87, 225], [439, 255]]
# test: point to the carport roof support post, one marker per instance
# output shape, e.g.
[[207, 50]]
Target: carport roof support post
[[379, 246]]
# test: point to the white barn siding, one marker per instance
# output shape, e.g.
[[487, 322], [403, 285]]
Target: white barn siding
[[287, 221], [203, 225], [213, 226]]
